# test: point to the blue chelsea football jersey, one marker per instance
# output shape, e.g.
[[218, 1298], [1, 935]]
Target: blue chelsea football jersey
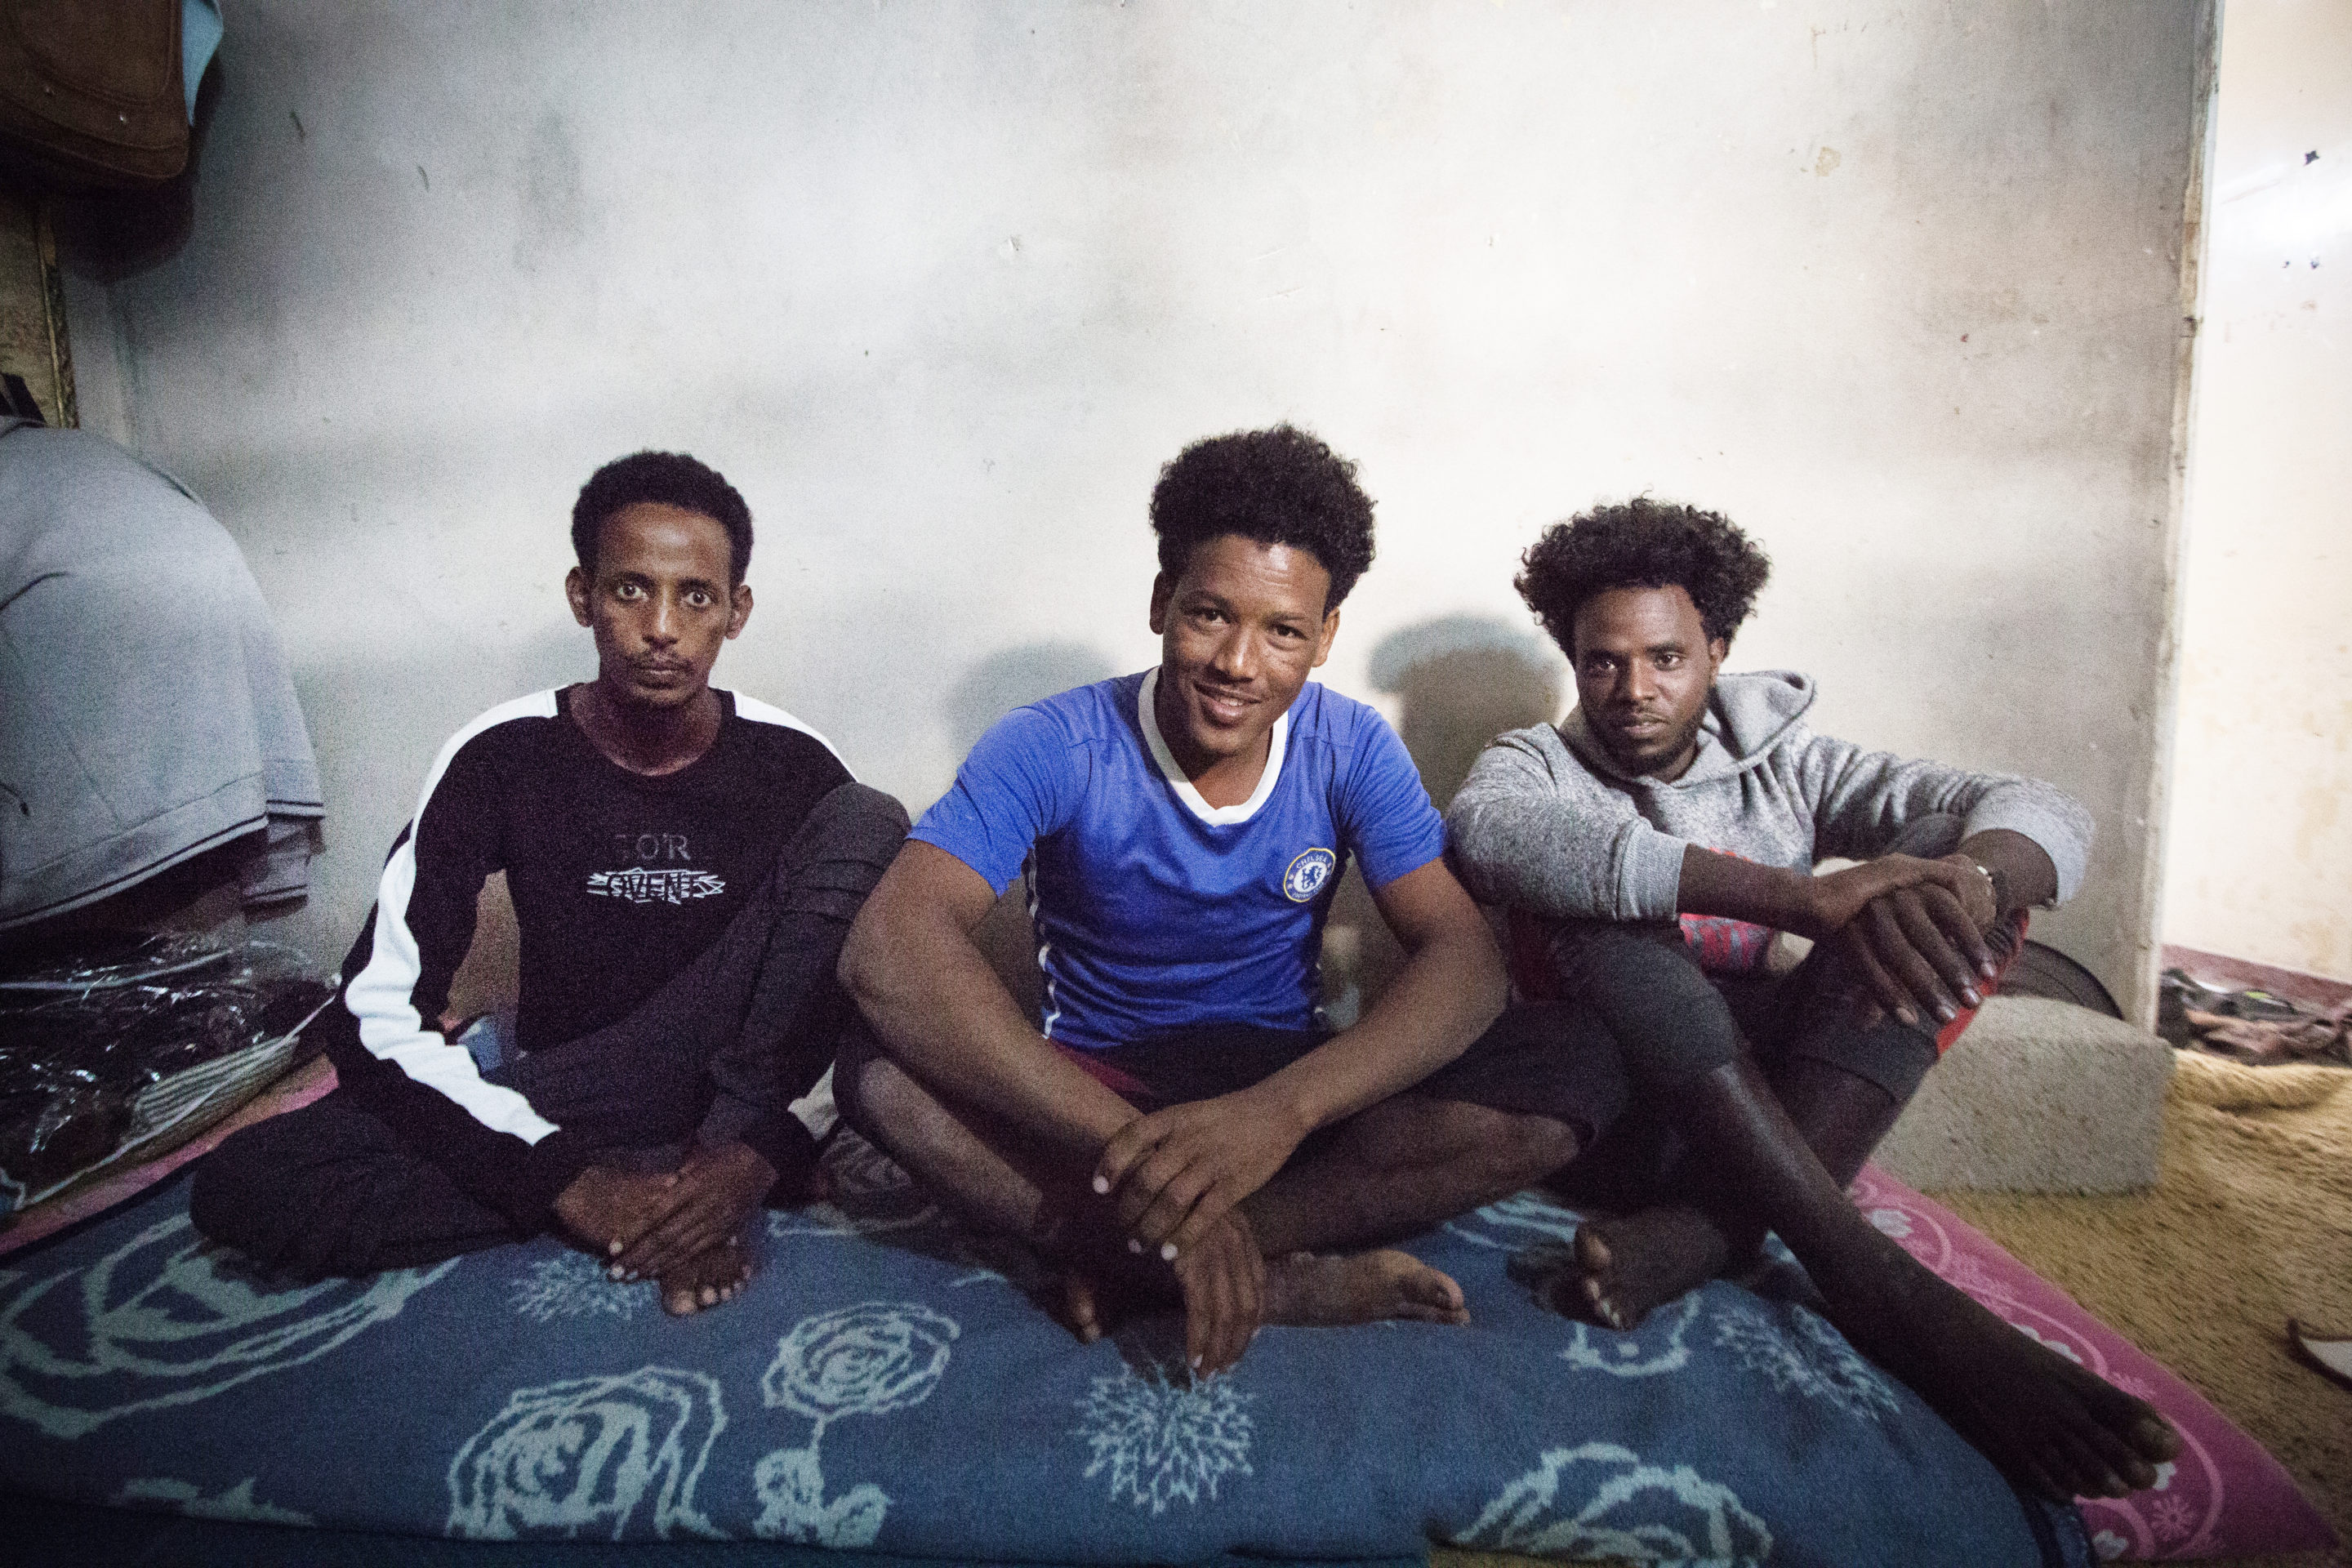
[[1156, 912]]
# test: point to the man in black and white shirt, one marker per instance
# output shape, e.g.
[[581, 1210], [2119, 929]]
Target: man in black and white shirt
[[683, 864]]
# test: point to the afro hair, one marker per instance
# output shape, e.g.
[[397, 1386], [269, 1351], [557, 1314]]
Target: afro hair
[[670, 479], [1277, 486], [1643, 544]]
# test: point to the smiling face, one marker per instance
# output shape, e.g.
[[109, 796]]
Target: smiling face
[[1240, 628], [660, 605], [1644, 665]]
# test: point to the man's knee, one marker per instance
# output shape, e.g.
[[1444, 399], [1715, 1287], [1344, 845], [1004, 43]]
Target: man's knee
[[261, 1191], [854, 822], [236, 1187], [1520, 1150]]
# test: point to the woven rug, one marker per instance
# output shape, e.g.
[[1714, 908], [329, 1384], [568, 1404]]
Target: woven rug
[[2249, 1225]]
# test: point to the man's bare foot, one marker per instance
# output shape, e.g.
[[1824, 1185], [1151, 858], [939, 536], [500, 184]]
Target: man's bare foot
[[2050, 1424], [709, 1277], [1619, 1270], [1361, 1288]]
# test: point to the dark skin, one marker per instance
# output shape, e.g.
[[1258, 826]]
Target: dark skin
[[661, 605], [1783, 1150], [1200, 1201]]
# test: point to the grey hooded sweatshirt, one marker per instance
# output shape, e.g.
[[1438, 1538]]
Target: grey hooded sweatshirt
[[1547, 823]]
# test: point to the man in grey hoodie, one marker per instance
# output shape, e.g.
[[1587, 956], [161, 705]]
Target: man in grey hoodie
[[1648, 849]]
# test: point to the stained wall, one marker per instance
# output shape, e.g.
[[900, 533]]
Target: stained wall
[[939, 286]]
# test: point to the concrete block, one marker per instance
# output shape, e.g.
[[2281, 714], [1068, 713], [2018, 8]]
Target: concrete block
[[2037, 1097]]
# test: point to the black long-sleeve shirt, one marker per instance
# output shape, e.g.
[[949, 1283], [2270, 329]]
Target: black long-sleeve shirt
[[619, 881]]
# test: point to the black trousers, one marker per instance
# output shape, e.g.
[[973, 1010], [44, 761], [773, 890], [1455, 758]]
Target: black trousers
[[1673, 1023], [331, 1189]]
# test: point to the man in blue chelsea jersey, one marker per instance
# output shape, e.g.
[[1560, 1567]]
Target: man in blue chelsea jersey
[[1181, 1127]]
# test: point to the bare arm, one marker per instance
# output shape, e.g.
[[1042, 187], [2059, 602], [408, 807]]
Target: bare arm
[[1181, 1169], [1451, 988], [943, 1015]]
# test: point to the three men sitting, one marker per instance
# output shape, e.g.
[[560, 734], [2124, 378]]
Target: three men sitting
[[1181, 1127]]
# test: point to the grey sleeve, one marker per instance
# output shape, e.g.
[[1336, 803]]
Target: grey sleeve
[[1861, 800], [1535, 837]]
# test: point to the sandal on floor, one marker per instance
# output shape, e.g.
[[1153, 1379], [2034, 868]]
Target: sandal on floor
[[2332, 1355]]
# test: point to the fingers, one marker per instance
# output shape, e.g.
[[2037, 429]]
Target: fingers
[[687, 1232], [1223, 1285], [1168, 1208], [1131, 1143], [1966, 937], [1211, 1207], [1951, 974], [1905, 942], [1889, 992], [1083, 1314]]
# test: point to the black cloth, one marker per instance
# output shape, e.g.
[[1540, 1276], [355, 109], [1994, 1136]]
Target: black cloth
[[619, 882], [718, 1051], [1549, 1059], [1674, 1021]]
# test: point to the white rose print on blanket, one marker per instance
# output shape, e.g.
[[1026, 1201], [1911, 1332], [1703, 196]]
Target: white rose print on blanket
[[1163, 1442], [575, 1285], [1808, 1357], [584, 1455], [867, 1359], [163, 1320], [1602, 1501], [1657, 1346]]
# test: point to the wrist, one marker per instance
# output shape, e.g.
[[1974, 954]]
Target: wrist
[[1800, 906], [1281, 1107]]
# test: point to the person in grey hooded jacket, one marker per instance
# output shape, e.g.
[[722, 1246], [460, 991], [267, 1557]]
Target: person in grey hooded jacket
[[1648, 849]]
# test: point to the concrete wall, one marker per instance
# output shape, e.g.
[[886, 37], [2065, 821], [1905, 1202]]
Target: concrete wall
[[939, 285], [2261, 834]]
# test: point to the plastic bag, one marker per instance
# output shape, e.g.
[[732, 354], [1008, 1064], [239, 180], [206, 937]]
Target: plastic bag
[[111, 1041]]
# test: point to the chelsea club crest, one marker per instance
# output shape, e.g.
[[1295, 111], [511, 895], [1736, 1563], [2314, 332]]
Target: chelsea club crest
[[1305, 876]]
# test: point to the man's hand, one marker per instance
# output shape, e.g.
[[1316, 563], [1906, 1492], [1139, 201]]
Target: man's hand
[[1223, 1277], [1826, 905], [1921, 946], [707, 1198], [1174, 1174], [605, 1210]]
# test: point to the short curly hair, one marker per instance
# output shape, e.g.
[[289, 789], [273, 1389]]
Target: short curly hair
[[1643, 544], [671, 478], [1281, 486]]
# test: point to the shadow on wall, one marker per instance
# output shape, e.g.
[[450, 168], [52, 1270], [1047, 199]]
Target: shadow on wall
[[1012, 677], [1460, 681], [989, 690]]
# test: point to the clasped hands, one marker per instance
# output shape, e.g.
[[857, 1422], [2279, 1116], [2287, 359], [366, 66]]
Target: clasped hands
[[1914, 929], [1174, 1180], [654, 1223]]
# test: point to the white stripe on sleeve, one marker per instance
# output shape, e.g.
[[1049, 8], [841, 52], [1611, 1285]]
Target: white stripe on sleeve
[[381, 996]]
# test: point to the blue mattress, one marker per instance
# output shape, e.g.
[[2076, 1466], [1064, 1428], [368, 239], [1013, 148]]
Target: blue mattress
[[887, 1382]]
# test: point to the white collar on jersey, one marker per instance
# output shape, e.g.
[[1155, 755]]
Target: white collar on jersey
[[1215, 815]]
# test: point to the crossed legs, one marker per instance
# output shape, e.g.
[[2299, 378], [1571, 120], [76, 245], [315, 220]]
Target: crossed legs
[[1392, 1171], [1777, 1152]]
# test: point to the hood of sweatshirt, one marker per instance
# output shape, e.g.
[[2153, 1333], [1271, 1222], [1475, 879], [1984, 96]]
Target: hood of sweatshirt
[[1748, 716]]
